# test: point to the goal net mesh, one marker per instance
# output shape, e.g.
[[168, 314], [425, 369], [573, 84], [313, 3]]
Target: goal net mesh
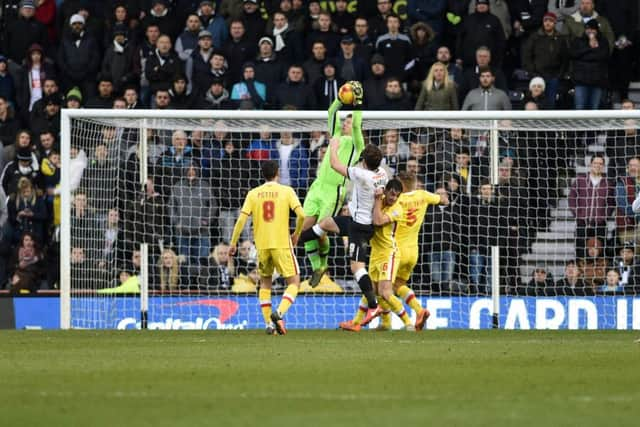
[[562, 221]]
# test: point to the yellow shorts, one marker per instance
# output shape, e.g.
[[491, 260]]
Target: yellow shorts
[[408, 261], [282, 259], [384, 266]]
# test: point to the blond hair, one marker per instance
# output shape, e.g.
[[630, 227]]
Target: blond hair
[[169, 277], [428, 82]]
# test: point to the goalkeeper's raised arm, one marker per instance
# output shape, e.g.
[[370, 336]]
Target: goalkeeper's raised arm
[[326, 195]]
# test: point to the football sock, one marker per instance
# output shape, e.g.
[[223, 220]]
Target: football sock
[[361, 312], [264, 296], [364, 281], [312, 233], [396, 306], [385, 317], [409, 298], [287, 299], [324, 252], [311, 248]]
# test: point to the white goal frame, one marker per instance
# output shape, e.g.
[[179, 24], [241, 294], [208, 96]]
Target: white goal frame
[[494, 117]]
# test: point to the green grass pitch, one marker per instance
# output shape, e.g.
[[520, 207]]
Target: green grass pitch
[[319, 378]]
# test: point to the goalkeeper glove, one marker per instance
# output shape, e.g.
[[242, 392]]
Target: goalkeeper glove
[[358, 93]]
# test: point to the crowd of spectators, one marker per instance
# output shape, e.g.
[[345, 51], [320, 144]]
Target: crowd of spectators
[[294, 55]]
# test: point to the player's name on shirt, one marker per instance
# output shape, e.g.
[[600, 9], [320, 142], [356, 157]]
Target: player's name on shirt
[[267, 195]]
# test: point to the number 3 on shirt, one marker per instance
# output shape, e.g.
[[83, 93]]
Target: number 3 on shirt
[[268, 210], [411, 216]]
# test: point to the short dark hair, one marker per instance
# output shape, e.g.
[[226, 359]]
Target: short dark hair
[[407, 179], [394, 185], [372, 156], [392, 15], [597, 156], [485, 69], [269, 169]]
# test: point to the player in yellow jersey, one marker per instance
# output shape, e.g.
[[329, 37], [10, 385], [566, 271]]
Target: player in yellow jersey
[[384, 259], [270, 204], [414, 206]]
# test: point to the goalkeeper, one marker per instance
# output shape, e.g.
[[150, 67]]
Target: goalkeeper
[[326, 194]]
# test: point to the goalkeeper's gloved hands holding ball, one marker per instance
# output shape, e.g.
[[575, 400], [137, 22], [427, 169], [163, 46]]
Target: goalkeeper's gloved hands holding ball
[[358, 93]]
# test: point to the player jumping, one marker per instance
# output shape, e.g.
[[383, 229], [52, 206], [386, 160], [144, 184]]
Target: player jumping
[[270, 204], [359, 226], [326, 194]]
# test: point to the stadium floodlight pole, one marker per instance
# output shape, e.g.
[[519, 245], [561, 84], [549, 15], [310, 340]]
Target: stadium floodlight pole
[[144, 246], [495, 250], [65, 222]]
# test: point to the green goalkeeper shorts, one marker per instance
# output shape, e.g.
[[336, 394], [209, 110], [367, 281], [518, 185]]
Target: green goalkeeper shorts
[[323, 200]]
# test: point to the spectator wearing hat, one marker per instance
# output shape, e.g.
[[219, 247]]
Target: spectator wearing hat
[[251, 93], [375, 85], [254, 24], [395, 47], [364, 44], [423, 50], [216, 97], [326, 88], [78, 58], [198, 62], [218, 70], [104, 98], [26, 165], [270, 69], [213, 22], [563, 9], [23, 32], [162, 65], [161, 15], [546, 54], [313, 66], [480, 28], [576, 23], [187, 41], [590, 66], [430, 13], [29, 87], [536, 93], [348, 65], [49, 118], [294, 92], [73, 98], [287, 42], [120, 60], [238, 50]]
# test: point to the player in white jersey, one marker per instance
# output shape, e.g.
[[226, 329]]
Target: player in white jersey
[[358, 227]]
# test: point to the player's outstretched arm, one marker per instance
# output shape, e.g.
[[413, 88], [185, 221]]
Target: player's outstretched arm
[[333, 121], [356, 121], [336, 165]]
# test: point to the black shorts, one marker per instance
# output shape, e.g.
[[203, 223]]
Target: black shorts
[[359, 236]]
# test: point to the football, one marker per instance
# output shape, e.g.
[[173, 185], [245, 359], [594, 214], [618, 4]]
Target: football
[[346, 94]]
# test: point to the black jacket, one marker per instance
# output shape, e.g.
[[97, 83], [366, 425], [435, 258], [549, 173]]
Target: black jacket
[[123, 67], [79, 63], [161, 73], [237, 53], [590, 65], [299, 95], [22, 33], [480, 29]]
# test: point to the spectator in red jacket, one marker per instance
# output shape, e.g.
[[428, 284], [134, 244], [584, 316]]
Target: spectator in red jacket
[[592, 201]]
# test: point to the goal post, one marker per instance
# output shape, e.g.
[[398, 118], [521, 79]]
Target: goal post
[[134, 187]]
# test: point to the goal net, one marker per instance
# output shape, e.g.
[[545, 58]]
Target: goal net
[[539, 231]]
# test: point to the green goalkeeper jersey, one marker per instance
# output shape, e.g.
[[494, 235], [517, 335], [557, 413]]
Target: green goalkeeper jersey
[[350, 146]]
